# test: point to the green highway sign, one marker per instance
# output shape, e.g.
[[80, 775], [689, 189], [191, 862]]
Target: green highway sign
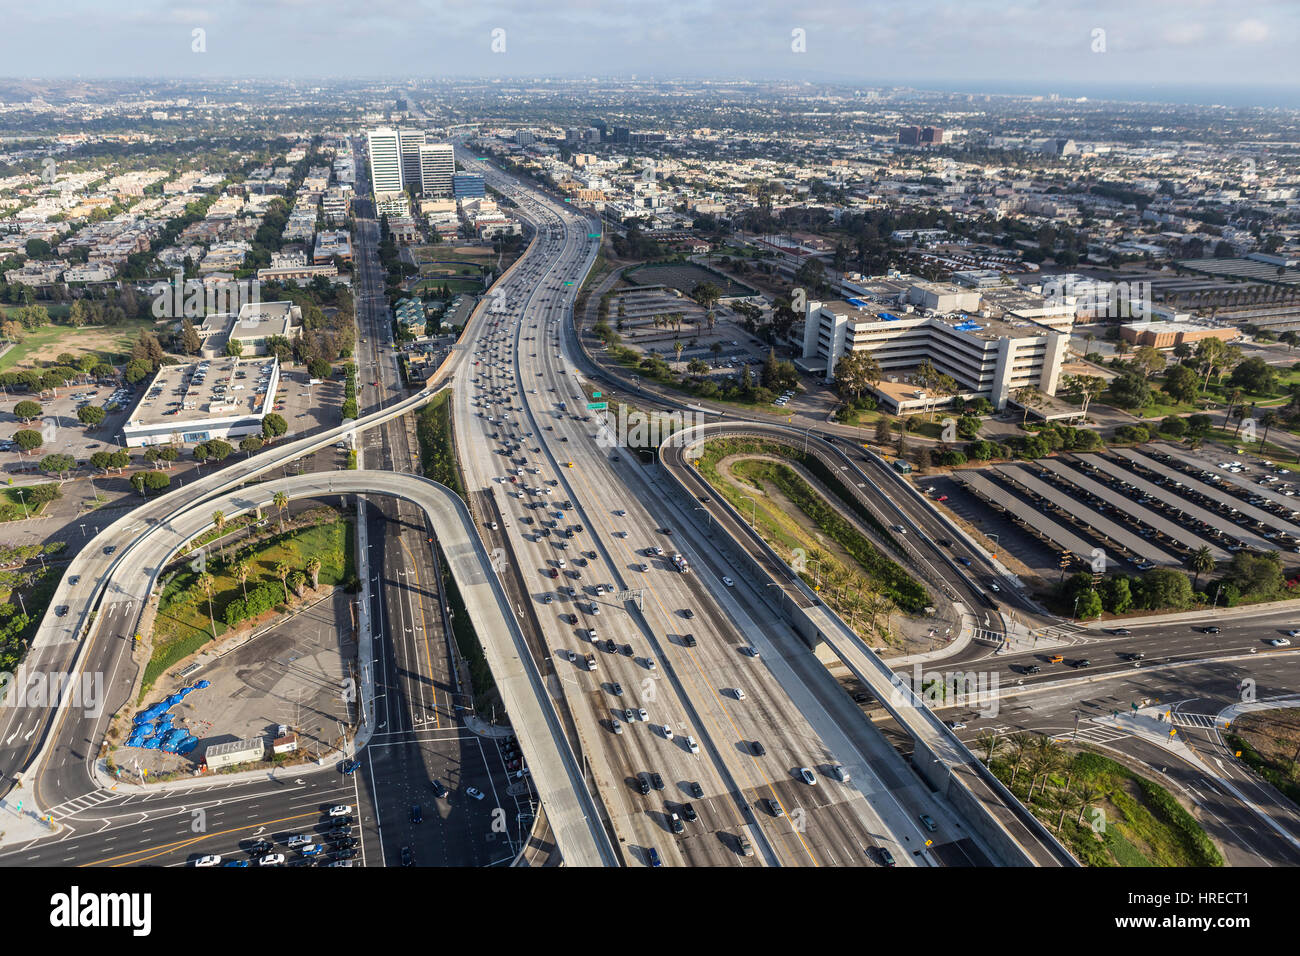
[[595, 394], [593, 235], [597, 406]]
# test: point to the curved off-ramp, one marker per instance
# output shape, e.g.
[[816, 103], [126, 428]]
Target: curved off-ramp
[[556, 772]]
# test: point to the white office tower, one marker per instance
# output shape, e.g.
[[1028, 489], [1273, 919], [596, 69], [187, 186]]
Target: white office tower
[[437, 166], [385, 161], [412, 140]]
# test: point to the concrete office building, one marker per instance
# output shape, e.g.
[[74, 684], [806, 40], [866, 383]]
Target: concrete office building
[[437, 167], [989, 357], [1167, 335], [412, 140], [224, 398], [385, 161]]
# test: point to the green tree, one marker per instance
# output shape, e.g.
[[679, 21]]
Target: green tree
[[191, 344], [91, 415], [273, 426], [1200, 561], [234, 348], [28, 440], [27, 410], [1181, 384], [58, 464]]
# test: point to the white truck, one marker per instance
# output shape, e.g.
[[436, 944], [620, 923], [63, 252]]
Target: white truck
[[681, 563]]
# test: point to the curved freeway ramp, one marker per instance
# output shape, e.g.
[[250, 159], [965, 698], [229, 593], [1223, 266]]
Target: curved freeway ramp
[[556, 773], [1018, 837]]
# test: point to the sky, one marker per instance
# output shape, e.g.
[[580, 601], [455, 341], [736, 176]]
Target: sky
[[1066, 46]]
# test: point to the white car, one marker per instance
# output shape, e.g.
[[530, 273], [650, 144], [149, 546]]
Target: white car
[[728, 582], [737, 693], [474, 792], [898, 529], [210, 860], [807, 776], [692, 745], [642, 715], [342, 810], [1280, 642], [272, 859], [667, 732]]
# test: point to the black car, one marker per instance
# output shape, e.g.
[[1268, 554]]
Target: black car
[[688, 640], [676, 823], [656, 781], [886, 858], [417, 815], [611, 647], [439, 790], [340, 823], [408, 858], [687, 613], [944, 542], [1134, 656], [695, 789], [260, 848], [773, 807], [643, 784], [688, 813], [345, 854], [1031, 669], [757, 748], [1212, 629], [1082, 662]]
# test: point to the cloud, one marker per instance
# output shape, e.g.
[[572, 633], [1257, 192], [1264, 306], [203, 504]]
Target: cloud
[[1251, 31]]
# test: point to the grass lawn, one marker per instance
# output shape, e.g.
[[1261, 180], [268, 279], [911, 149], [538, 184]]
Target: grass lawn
[[183, 626], [10, 496], [45, 343], [453, 285], [1276, 453], [1107, 814]]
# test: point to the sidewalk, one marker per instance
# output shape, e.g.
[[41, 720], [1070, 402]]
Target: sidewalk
[[1201, 615]]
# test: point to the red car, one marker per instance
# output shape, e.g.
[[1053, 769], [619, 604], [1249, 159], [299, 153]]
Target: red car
[[942, 498], [552, 572]]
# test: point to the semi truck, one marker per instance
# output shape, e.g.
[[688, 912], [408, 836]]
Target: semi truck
[[681, 563]]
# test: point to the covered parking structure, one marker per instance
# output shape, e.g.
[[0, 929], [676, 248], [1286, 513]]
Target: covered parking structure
[[1031, 519], [1128, 542], [1288, 504], [1263, 521], [1177, 535], [1193, 512]]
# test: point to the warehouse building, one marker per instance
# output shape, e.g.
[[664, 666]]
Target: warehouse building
[[224, 398], [250, 327]]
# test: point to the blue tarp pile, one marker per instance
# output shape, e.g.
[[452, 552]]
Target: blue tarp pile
[[152, 728]]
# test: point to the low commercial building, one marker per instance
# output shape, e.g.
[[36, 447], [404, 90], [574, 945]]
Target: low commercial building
[[989, 358], [251, 326], [1167, 335], [331, 244], [224, 398], [219, 756]]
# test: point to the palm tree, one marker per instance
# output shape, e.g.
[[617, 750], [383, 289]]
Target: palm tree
[[206, 581], [1200, 561], [313, 568], [219, 519], [677, 349], [988, 742], [1020, 744], [242, 571], [1268, 420], [282, 572], [281, 502]]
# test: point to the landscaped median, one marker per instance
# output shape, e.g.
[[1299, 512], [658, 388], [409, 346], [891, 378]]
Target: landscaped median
[[215, 591], [810, 533]]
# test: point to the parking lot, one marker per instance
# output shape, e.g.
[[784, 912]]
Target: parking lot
[[1138, 508]]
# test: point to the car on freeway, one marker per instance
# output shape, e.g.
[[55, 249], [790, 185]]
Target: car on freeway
[[1133, 656], [694, 789], [807, 776], [417, 815], [350, 767], [728, 582], [928, 822], [1280, 642], [653, 856], [408, 858], [692, 745], [643, 784], [618, 689], [666, 731], [210, 860], [110, 549], [272, 859], [656, 781], [840, 773], [1119, 631], [955, 724], [474, 793], [773, 807], [898, 529], [1293, 633], [1030, 669], [886, 858], [1211, 629], [756, 748], [642, 715], [1081, 662]]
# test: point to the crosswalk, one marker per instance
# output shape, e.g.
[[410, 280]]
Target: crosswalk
[[70, 808], [1180, 719]]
